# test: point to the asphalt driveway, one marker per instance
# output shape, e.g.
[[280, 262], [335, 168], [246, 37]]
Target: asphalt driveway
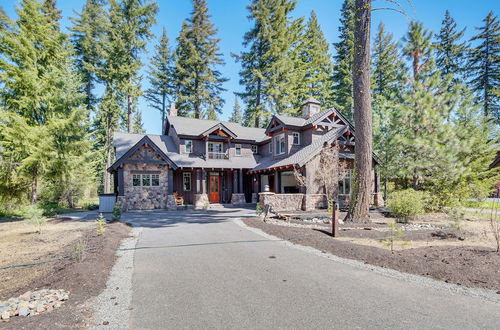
[[269, 285]]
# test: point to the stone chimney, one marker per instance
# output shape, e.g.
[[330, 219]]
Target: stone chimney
[[310, 107], [173, 110]]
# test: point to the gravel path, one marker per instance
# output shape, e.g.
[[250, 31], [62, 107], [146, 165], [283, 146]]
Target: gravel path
[[112, 306]]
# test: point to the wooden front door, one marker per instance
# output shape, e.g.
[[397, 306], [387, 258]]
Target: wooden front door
[[214, 189]]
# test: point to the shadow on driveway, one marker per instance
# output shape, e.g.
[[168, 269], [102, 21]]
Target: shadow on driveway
[[162, 218]]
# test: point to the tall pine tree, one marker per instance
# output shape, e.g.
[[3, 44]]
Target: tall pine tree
[[236, 115], [267, 73], [388, 73], [484, 66], [130, 24], [198, 83], [43, 125], [87, 37], [161, 78], [451, 51], [418, 48], [343, 57], [314, 64]]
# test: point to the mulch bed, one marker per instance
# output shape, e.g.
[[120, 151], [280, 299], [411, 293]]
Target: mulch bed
[[84, 279], [463, 265]]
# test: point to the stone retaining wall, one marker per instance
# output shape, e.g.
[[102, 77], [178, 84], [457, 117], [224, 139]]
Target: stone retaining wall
[[281, 202], [314, 201]]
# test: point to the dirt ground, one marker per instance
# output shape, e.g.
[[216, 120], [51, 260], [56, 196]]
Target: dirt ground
[[436, 246], [84, 276]]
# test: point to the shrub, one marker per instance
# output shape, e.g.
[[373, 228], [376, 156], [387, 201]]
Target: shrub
[[35, 217], [393, 235], [101, 224], [258, 209], [407, 204], [117, 213]]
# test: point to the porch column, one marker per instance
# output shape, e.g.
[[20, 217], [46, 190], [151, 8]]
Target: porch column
[[170, 182], [235, 181], [241, 180], [276, 182], [198, 181], [203, 181]]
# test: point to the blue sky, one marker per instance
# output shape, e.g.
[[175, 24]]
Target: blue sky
[[230, 17]]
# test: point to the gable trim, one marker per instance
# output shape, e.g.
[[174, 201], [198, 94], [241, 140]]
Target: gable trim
[[219, 126], [145, 140]]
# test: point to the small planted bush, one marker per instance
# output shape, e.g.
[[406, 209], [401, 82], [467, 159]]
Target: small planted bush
[[117, 213], [35, 216], [407, 204], [101, 224]]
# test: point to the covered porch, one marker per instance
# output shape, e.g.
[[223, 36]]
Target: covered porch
[[203, 186]]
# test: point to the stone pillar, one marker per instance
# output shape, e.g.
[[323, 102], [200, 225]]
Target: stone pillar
[[200, 197]]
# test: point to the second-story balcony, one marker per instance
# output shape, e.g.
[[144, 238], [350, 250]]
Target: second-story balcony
[[218, 155]]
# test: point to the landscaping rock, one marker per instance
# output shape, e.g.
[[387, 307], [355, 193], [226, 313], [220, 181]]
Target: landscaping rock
[[23, 311], [33, 303]]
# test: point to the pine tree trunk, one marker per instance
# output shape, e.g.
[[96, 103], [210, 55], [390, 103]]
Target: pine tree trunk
[[129, 113], [163, 112], [34, 193], [106, 175], [361, 195]]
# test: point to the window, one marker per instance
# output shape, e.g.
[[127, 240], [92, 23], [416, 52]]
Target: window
[[155, 180], [238, 149], [345, 182], [270, 147], [145, 180], [279, 142], [136, 180], [254, 149], [188, 145], [215, 151], [186, 181], [296, 138]]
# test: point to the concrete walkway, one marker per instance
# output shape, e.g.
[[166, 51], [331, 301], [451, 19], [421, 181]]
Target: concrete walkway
[[270, 285]]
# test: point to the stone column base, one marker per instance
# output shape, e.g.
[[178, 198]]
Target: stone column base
[[255, 198], [238, 199], [171, 204], [201, 201]]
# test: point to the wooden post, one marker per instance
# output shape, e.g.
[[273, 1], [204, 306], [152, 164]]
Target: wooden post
[[170, 182], [240, 184], [335, 220]]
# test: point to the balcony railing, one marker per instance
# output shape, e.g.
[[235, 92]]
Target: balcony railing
[[218, 155]]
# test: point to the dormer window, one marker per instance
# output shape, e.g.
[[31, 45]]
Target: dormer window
[[238, 149], [279, 142], [254, 149], [188, 146], [296, 138]]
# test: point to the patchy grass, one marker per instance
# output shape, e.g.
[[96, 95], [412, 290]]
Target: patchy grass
[[482, 205]]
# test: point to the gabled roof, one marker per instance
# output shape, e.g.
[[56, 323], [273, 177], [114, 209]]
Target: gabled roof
[[302, 156], [302, 123], [125, 151], [219, 126], [186, 126], [125, 141]]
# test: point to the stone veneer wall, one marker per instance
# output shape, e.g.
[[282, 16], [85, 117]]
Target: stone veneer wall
[[281, 202], [144, 198], [314, 201], [238, 198]]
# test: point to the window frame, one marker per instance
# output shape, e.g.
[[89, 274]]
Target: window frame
[[186, 175], [271, 147], [346, 177], [143, 177], [296, 134], [190, 144], [255, 149], [213, 144], [237, 150], [278, 140]]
